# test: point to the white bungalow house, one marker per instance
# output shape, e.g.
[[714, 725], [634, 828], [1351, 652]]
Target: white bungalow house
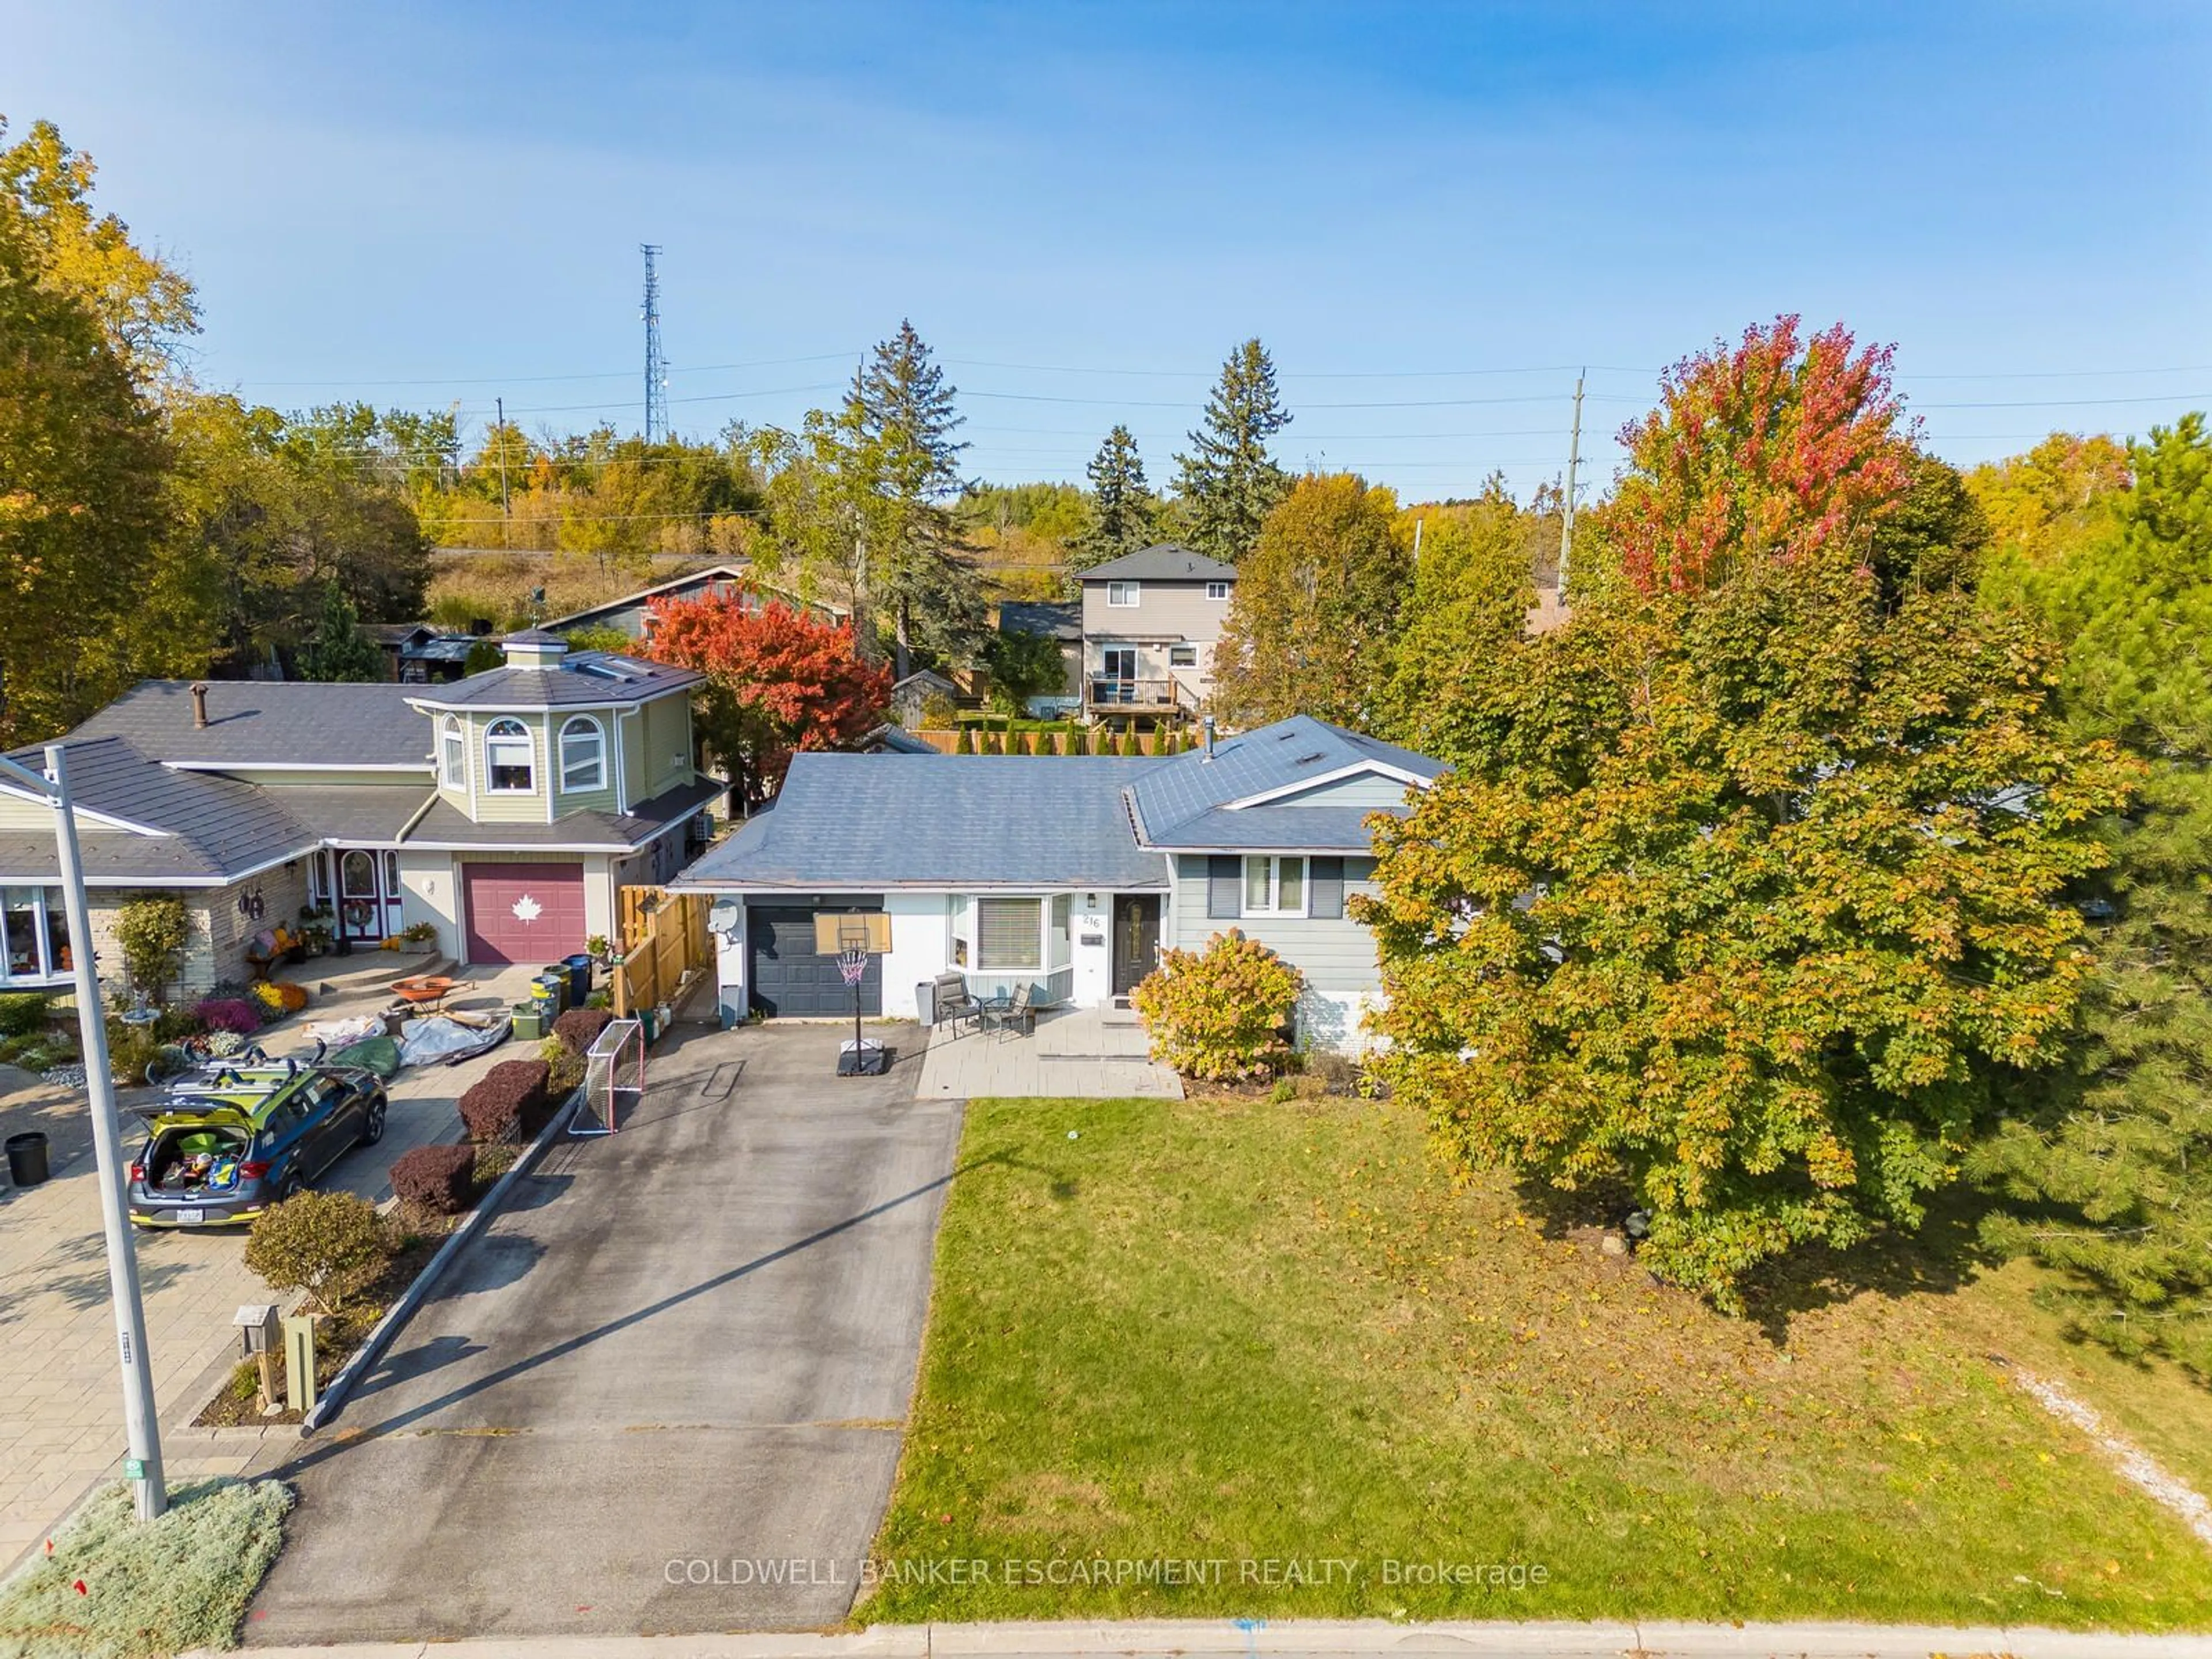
[[1066, 874]]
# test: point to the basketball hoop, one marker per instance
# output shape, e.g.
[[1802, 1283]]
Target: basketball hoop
[[856, 935]]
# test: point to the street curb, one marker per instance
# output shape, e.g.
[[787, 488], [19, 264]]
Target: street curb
[[1203, 1638], [328, 1405]]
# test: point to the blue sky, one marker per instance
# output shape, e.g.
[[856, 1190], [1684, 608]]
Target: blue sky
[[1431, 215]]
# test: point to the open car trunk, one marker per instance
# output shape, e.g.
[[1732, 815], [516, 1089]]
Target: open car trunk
[[198, 1160]]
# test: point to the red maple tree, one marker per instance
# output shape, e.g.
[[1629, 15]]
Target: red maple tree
[[778, 680], [1777, 448]]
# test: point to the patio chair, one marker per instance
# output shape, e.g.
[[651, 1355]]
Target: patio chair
[[1005, 1014], [955, 1002]]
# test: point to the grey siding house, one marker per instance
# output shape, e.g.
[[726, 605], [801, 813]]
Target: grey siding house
[[1064, 874], [1150, 620]]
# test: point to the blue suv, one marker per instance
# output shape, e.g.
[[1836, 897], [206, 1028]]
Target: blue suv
[[224, 1144]]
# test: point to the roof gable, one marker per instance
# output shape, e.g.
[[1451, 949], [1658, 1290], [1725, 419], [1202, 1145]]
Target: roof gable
[[1292, 784]]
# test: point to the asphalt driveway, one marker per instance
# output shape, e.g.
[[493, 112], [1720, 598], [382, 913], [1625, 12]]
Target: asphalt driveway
[[663, 1392]]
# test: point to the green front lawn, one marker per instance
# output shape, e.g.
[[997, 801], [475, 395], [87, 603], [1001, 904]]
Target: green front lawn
[[1271, 1343]]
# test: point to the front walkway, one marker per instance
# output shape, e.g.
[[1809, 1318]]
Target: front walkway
[[62, 1430], [1092, 1053]]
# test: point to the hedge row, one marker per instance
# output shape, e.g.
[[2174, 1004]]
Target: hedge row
[[579, 1028], [508, 1103], [440, 1178]]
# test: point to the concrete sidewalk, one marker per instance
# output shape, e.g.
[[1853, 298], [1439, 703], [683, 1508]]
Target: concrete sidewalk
[[1312, 1639]]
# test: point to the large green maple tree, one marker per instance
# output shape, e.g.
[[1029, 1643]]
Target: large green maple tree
[[1747, 898]]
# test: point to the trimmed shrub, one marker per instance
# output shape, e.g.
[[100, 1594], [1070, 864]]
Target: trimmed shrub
[[439, 1178], [175, 1024], [579, 1028], [565, 1068], [966, 744], [507, 1103], [131, 1050], [1219, 1013], [22, 1013], [229, 1014], [152, 931], [328, 1244]]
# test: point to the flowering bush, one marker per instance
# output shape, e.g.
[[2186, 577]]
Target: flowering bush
[[1219, 1013], [221, 1045], [229, 1014], [268, 998]]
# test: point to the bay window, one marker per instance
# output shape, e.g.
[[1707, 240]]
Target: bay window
[[1009, 934], [35, 940], [452, 760], [583, 754], [1274, 885], [509, 760]]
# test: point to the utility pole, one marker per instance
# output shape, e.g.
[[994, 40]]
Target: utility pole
[[1567, 516], [500, 403], [656, 368], [142, 1465]]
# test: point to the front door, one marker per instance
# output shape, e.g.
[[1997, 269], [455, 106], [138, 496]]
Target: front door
[[1136, 938], [369, 893]]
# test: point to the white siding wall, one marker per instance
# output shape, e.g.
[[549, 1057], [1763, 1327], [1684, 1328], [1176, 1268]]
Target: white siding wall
[[428, 892], [1336, 955], [920, 947]]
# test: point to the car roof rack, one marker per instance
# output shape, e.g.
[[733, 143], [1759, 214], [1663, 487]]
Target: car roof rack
[[267, 1078]]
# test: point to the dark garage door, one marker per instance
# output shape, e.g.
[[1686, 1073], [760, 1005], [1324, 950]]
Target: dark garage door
[[788, 978], [532, 912]]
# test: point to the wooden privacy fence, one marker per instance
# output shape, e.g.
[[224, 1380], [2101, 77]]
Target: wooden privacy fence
[[664, 943]]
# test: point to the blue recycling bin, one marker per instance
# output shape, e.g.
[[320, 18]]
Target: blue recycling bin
[[579, 979]]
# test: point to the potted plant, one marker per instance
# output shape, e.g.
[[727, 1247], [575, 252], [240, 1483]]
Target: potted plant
[[419, 935], [599, 948]]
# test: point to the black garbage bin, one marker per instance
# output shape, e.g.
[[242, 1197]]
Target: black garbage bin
[[579, 980], [27, 1158]]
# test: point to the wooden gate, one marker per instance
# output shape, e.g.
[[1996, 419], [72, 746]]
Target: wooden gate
[[664, 947]]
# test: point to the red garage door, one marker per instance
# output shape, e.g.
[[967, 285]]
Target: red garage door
[[532, 912]]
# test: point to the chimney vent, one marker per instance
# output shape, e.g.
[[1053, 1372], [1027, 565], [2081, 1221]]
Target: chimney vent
[[199, 705], [1206, 725]]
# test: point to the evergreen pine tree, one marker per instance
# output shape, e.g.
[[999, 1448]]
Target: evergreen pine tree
[[899, 421], [1228, 482], [1077, 741], [1124, 513], [2121, 1147], [338, 650], [966, 743]]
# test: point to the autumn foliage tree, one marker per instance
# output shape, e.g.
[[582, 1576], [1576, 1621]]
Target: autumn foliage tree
[[1749, 898], [1313, 619], [1778, 448], [779, 680]]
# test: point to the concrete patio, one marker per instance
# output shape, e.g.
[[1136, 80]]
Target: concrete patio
[[1099, 1053]]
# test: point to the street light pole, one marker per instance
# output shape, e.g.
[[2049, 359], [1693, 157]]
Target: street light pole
[[142, 1467]]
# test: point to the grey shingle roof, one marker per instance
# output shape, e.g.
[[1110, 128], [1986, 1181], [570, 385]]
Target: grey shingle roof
[[269, 723], [1056, 620], [1183, 802], [446, 826], [1163, 562], [593, 678], [881, 821], [351, 811], [216, 827]]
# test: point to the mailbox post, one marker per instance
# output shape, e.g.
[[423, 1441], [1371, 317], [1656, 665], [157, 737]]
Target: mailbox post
[[257, 1325]]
